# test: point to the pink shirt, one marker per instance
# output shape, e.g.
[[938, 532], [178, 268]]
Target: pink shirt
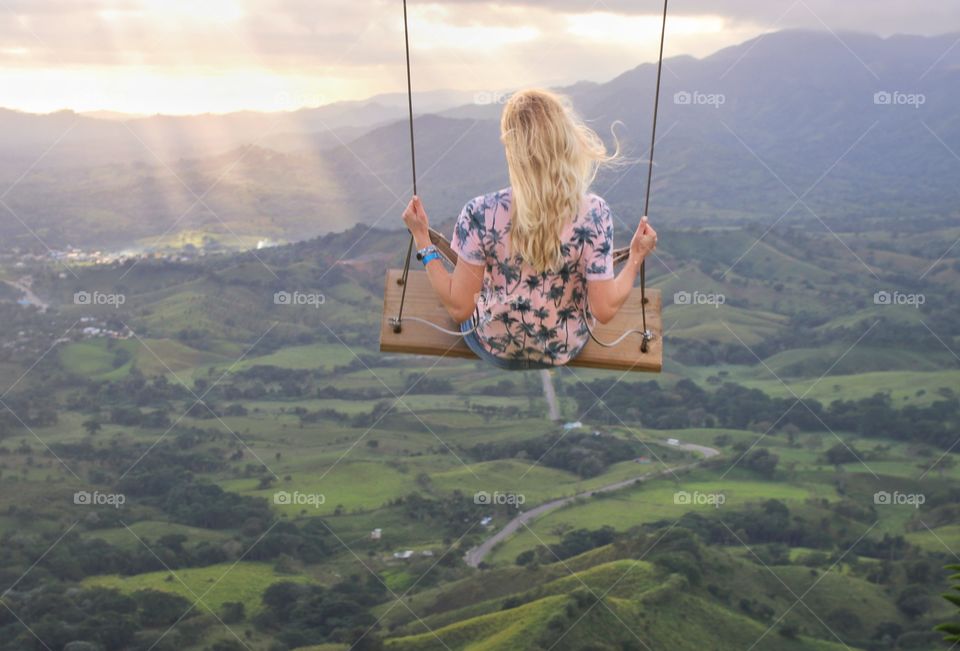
[[525, 314]]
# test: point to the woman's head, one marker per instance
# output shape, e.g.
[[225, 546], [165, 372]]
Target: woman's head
[[552, 157]]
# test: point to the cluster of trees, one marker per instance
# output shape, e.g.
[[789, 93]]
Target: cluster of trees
[[27, 332], [571, 544], [297, 614], [585, 454], [698, 352], [97, 619], [771, 524], [133, 389], [453, 514], [24, 409], [422, 383], [162, 480], [688, 405], [78, 556], [134, 417]]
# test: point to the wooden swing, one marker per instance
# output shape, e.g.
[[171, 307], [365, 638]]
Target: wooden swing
[[616, 345]]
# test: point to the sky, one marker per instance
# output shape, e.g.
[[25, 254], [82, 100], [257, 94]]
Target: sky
[[198, 56]]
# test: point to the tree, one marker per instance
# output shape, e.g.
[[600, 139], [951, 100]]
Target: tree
[[526, 557], [159, 608], [952, 629], [840, 454], [92, 426], [228, 645], [790, 631], [762, 462], [233, 612], [913, 601]]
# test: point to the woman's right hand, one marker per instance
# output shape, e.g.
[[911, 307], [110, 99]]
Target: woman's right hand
[[644, 241], [415, 217]]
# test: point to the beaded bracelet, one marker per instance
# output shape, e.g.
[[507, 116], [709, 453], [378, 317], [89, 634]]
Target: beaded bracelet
[[421, 253], [433, 255]]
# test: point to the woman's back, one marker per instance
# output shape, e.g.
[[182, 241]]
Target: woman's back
[[525, 314]]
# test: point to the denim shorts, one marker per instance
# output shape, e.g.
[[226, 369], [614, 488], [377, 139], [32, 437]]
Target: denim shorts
[[508, 364]]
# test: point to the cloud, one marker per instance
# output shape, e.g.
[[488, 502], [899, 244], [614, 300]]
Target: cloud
[[355, 49], [298, 32], [878, 16]]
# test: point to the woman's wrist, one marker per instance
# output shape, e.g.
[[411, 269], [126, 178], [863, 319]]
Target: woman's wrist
[[422, 239]]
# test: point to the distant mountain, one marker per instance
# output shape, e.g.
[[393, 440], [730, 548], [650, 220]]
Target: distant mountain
[[867, 124], [104, 137]]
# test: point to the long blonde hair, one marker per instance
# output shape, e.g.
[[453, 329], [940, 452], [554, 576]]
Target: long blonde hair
[[552, 157]]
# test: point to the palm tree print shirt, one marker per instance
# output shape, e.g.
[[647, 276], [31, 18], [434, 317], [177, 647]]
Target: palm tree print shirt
[[525, 314]]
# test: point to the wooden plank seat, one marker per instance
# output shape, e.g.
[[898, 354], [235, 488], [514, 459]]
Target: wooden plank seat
[[420, 339]]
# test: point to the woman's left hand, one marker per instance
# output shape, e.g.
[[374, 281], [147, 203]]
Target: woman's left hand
[[644, 242], [415, 217]]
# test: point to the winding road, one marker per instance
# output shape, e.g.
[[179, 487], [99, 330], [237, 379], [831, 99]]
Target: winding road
[[550, 395], [476, 555], [29, 296]]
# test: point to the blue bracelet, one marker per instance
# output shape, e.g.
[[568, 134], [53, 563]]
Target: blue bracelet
[[430, 248], [433, 255]]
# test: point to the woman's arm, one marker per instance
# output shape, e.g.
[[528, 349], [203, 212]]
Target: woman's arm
[[457, 291], [606, 297]]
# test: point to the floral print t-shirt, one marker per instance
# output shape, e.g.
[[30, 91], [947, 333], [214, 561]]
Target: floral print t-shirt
[[525, 314]]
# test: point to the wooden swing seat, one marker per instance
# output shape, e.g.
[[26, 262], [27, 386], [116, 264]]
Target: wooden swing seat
[[420, 339]]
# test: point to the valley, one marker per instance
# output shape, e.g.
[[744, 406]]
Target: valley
[[257, 447], [190, 461]]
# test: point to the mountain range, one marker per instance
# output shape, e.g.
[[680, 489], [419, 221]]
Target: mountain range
[[829, 130]]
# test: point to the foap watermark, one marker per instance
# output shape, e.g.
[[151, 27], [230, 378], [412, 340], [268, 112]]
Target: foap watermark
[[696, 498], [896, 498], [96, 498], [296, 498], [897, 98], [699, 298], [496, 498], [696, 98], [884, 297], [91, 299], [486, 98], [298, 298]]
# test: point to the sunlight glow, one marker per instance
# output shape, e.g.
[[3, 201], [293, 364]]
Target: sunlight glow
[[199, 56], [439, 32], [607, 27], [172, 92], [210, 11]]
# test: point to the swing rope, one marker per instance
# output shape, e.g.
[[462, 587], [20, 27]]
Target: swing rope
[[647, 335], [619, 256], [402, 281], [397, 322]]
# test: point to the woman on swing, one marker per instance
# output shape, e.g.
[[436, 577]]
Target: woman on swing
[[532, 256]]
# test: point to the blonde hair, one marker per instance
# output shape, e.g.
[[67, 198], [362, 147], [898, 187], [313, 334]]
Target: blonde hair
[[552, 158]]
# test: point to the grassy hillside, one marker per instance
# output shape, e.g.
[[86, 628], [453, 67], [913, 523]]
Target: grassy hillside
[[213, 586], [298, 404], [601, 610]]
